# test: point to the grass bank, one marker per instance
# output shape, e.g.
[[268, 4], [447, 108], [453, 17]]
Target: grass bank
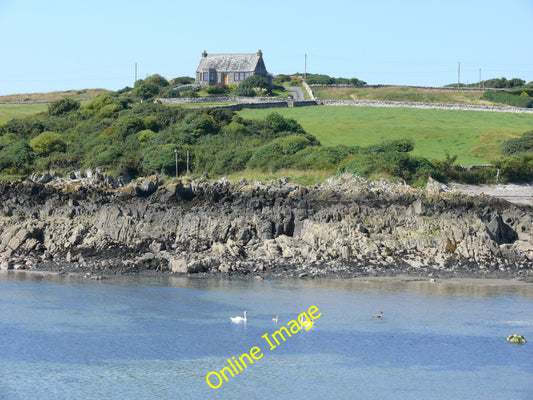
[[17, 110], [402, 94], [474, 136], [10, 111]]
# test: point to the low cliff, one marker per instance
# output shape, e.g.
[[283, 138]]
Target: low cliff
[[344, 227]]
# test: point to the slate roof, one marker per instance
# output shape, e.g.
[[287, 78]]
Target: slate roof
[[229, 62]]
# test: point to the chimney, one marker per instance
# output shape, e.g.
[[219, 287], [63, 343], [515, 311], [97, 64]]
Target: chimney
[[259, 53], [204, 54]]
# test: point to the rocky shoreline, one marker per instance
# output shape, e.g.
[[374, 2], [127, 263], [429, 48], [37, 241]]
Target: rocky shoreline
[[345, 227]]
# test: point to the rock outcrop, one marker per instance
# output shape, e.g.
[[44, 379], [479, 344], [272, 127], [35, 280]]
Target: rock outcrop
[[344, 227]]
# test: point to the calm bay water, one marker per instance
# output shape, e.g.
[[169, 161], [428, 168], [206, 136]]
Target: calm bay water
[[158, 338]]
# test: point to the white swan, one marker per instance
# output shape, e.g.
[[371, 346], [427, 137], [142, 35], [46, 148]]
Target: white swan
[[238, 320], [302, 319], [275, 319], [380, 315]]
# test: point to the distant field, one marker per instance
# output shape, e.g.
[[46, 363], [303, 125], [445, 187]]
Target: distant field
[[402, 94], [10, 111], [474, 136], [53, 96]]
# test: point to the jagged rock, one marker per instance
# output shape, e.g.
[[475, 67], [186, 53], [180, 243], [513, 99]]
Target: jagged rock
[[345, 227], [183, 266], [6, 265], [145, 186]]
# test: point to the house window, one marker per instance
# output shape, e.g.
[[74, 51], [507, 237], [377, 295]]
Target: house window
[[205, 76], [211, 76], [241, 76]]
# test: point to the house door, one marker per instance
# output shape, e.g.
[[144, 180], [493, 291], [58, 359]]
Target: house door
[[225, 79]]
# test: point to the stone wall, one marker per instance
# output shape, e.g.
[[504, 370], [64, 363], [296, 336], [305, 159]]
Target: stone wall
[[438, 106], [269, 102], [220, 99], [409, 86]]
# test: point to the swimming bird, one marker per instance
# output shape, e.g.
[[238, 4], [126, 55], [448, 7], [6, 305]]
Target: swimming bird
[[380, 315], [238, 320], [275, 319], [302, 319]]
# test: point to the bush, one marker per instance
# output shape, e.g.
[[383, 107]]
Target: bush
[[18, 155], [124, 127], [274, 155], [523, 144], [397, 145], [509, 99], [7, 139], [319, 79], [108, 157], [156, 80], [48, 142], [144, 136], [183, 80], [230, 160], [516, 168], [95, 105], [279, 123], [391, 159], [63, 106], [320, 158], [25, 128], [145, 90], [249, 86], [161, 158], [216, 90]]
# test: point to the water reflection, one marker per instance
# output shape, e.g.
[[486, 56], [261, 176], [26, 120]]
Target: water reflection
[[449, 288]]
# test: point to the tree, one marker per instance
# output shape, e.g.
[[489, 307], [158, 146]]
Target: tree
[[253, 83], [145, 90], [47, 142], [63, 106], [157, 80], [17, 155]]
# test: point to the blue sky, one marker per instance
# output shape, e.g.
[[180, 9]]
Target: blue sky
[[60, 45]]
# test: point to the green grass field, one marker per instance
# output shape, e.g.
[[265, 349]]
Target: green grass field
[[10, 111], [402, 93], [474, 136]]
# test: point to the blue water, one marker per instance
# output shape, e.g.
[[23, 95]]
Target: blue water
[[158, 338]]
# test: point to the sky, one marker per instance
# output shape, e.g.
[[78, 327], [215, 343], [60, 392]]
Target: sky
[[70, 44]]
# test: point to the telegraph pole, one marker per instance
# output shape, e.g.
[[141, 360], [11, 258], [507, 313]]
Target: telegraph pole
[[305, 67], [459, 75], [176, 154]]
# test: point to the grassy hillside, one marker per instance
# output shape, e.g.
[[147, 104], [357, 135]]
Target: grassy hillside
[[15, 110], [53, 96], [10, 111], [402, 93], [474, 136]]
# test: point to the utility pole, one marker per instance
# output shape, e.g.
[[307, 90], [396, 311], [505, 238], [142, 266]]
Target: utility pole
[[480, 78], [176, 154], [305, 67], [188, 171], [459, 75]]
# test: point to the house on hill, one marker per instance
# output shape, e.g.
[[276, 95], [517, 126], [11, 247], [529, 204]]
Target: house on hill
[[225, 69]]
